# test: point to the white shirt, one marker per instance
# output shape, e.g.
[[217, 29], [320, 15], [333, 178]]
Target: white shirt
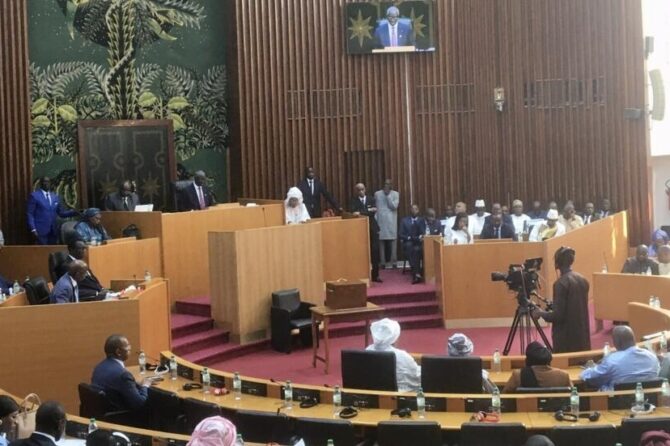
[[663, 269], [407, 371], [75, 287], [391, 29], [459, 237], [537, 229], [476, 223], [518, 221]]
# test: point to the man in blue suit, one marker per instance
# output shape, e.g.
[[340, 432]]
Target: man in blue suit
[[44, 207], [115, 380], [412, 230], [393, 31], [66, 290]]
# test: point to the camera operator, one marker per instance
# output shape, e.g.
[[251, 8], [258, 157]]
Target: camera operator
[[569, 314]]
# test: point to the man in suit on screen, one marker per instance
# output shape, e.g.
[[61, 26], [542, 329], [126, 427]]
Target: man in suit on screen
[[393, 31]]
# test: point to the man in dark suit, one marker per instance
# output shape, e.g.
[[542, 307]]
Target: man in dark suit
[[412, 230], [197, 196], [433, 225], [393, 31], [49, 426], [589, 215], [90, 288], [641, 263], [605, 209], [362, 204], [44, 208], [124, 200], [312, 189], [115, 380], [496, 208], [497, 228], [66, 290]]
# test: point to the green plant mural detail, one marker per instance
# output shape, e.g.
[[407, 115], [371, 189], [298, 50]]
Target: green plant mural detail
[[65, 92]]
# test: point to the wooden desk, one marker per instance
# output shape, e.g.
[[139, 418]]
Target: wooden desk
[[431, 246], [645, 319], [345, 248], [19, 261], [325, 315], [127, 259], [613, 291]]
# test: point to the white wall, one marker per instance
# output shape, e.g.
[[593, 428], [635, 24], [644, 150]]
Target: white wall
[[661, 197]]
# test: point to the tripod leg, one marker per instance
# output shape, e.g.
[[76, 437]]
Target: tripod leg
[[512, 332], [538, 327]]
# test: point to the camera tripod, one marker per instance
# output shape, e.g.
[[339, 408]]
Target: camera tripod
[[522, 323]]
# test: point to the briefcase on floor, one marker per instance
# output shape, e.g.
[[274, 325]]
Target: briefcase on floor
[[346, 294]]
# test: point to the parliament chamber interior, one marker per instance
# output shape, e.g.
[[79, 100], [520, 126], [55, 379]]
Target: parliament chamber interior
[[334, 222]]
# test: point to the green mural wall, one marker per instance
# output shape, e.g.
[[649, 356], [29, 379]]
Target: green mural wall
[[128, 59]]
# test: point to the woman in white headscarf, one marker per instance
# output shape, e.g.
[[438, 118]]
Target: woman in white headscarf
[[294, 209], [385, 333], [460, 345]]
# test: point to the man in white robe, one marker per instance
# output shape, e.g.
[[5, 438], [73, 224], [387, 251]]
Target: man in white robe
[[385, 333]]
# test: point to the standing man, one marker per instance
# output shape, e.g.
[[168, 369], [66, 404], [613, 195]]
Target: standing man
[[412, 230], [197, 196], [124, 200], [362, 204], [387, 201], [44, 208], [570, 313], [312, 189]]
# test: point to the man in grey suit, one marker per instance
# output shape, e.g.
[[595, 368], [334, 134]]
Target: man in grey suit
[[124, 200], [387, 201]]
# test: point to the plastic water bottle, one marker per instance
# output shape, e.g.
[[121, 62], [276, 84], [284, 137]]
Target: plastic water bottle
[[652, 301], [639, 395], [147, 276], [663, 343], [337, 400], [495, 400], [2, 296], [206, 380], [574, 401], [519, 236], [606, 349], [288, 395], [496, 365], [173, 368], [657, 302], [421, 403], [142, 360], [237, 386], [16, 288], [92, 426], [604, 269], [648, 272], [239, 441], [330, 442], [665, 394]]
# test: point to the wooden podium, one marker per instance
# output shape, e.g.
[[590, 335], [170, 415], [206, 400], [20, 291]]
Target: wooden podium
[[612, 292]]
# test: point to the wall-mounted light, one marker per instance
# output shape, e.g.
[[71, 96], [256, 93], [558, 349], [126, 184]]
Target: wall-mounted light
[[499, 98]]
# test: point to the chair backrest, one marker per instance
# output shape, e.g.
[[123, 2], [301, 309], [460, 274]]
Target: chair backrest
[[67, 230], [92, 401], [357, 367], [631, 429], [403, 433], [56, 261], [584, 435], [178, 188], [37, 291], [264, 427], [492, 434], [167, 412], [649, 384], [448, 374], [286, 299], [197, 410], [317, 431]]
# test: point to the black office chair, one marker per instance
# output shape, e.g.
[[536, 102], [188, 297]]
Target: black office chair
[[177, 188], [93, 403], [197, 410], [551, 404], [583, 435], [446, 374], [317, 431], [631, 429], [264, 427], [67, 230], [37, 291], [358, 367], [649, 384], [492, 434], [404, 433], [288, 313], [57, 260], [167, 412]]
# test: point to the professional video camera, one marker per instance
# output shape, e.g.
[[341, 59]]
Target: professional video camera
[[520, 278]]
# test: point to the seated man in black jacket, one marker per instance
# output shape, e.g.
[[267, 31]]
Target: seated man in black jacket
[[497, 228], [90, 288], [412, 230]]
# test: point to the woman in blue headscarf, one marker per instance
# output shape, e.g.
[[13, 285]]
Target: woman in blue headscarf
[[90, 228], [658, 238]]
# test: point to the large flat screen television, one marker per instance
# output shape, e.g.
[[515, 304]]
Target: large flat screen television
[[389, 27]]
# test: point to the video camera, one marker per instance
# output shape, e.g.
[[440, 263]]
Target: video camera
[[521, 278]]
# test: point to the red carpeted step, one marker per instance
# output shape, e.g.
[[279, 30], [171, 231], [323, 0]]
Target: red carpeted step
[[343, 329], [225, 352], [197, 306], [419, 296], [397, 310], [200, 341], [186, 324]]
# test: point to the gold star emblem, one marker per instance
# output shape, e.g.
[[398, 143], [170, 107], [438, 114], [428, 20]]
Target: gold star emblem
[[107, 187], [360, 28], [417, 24], [150, 187]]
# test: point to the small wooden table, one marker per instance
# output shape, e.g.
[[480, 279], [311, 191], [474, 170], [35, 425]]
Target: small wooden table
[[326, 314]]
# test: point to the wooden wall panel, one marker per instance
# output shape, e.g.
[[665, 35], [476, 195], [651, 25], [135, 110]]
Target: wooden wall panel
[[433, 114], [15, 149]]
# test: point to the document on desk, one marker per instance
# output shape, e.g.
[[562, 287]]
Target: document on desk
[[71, 442]]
